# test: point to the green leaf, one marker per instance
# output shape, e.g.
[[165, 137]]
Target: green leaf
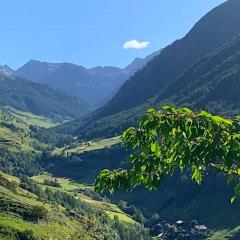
[[188, 141], [169, 108], [150, 110], [186, 110], [205, 114], [196, 174], [155, 147]]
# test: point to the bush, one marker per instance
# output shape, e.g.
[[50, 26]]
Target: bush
[[54, 183], [26, 235], [37, 213]]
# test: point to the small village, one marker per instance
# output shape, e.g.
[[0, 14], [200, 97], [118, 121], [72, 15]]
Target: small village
[[179, 230]]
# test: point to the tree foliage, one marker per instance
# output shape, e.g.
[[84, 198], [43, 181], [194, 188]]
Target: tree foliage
[[176, 140]]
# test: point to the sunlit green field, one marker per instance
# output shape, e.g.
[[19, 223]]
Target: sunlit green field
[[55, 226], [89, 146], [31, 119], [15, 134], [68, 186], [58, 226], [226, 234]]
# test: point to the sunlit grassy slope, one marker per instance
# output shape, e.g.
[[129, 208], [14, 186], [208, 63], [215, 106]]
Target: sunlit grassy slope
[[89, 146], [31, 119], [58, 225], [69, 186], [15, 134]]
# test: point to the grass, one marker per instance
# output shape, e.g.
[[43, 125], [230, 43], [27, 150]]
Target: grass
[[89, 146], [31, 119], [122, 216], [111, 210], [68, 186], [10, 177], [15, 134], [225, 234], [57, 226]]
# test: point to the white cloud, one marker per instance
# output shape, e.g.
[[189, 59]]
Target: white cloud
[[135, 44]]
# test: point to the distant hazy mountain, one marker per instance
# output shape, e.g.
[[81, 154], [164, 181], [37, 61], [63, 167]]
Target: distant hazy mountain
[[95, 85], [138, 63], [40, 99], [6, 70]]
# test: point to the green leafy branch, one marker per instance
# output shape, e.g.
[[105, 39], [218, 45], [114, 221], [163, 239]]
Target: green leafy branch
[[176, 139]]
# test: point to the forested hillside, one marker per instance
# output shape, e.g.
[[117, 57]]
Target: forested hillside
[[213, 83], [40, 99], [34, 211], [47, 207], [19, 148]]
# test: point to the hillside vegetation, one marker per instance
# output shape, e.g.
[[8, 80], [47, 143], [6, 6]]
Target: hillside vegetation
[[19, 149], [211, 84], [40, 99], [31, 119], [177, 197], [46, 207], [28, 212]]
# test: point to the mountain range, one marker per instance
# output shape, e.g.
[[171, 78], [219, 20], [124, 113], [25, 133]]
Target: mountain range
[[94, 85], [151, 85]]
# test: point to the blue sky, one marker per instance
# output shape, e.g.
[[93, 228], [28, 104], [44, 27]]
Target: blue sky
[[93, 32]]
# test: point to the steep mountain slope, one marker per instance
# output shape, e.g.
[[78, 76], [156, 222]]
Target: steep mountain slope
[[40, 99], [95, 85], [213, 83], [212, 31]]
